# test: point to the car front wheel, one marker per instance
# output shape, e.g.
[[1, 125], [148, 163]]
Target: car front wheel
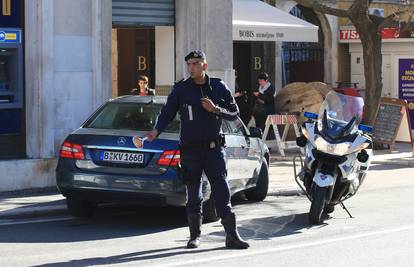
[[259, 192]]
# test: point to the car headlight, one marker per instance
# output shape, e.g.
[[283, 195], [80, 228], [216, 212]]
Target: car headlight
[[334, 149]]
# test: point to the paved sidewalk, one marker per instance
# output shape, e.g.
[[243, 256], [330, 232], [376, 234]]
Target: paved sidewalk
[[29, 205], [32, 205]]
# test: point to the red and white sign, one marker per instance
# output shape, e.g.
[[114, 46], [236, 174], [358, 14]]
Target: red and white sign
[[348, 34]]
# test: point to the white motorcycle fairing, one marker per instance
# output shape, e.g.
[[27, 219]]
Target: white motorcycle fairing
[[323, 180]]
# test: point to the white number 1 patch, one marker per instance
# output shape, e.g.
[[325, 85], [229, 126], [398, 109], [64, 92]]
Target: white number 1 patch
[[190, 112]]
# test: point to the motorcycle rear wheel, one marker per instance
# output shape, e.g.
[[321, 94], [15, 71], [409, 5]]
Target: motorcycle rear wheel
[[318, 204]]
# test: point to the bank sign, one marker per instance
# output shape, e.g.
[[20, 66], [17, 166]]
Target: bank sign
[[10, 36], [406, 84]]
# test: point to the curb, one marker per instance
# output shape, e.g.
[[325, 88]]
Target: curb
[[401, 163], [37, 191], [31, 212], [286, 193]]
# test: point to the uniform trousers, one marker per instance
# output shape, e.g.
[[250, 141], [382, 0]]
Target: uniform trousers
[[213, 163]]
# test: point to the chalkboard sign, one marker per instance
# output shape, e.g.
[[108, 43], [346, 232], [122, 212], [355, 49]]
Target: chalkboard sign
[[390, 113]]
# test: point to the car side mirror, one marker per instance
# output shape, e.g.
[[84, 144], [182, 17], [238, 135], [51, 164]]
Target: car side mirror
[[255, 132]]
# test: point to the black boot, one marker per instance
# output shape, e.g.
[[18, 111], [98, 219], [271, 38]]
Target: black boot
[[194, 222], [233, 239]]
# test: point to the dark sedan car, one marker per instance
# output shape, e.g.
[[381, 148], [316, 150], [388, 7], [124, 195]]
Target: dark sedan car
[[103, 162]]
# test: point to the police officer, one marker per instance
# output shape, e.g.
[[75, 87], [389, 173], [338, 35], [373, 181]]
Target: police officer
[[202, 103]]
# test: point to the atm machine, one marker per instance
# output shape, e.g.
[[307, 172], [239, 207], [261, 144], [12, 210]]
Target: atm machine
[[12, 130]]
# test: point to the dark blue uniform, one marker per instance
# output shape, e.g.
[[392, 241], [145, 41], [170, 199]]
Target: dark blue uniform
[[200, 137]]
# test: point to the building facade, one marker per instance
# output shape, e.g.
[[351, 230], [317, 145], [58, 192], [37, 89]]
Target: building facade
[[76, 54], [397, 52], [306, 61], [12, 125], [73, 54]]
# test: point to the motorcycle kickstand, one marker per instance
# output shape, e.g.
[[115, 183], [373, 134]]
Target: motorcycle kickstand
[[343, 206]]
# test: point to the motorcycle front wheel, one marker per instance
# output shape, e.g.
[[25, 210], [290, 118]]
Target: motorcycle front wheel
[[318, 204]]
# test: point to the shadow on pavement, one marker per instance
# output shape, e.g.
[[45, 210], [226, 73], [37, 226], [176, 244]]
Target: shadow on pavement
[[131, 257], [104, 225], [107, 223], [381, 167], [267, 228]]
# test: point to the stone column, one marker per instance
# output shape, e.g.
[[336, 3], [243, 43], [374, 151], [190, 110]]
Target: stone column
[[206, 25], [101, 51], [285, 6], [278, 67], [327, 43], [39, 87], [68, 68]]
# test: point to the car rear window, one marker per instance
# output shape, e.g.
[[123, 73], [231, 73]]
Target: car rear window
[[132, 116]]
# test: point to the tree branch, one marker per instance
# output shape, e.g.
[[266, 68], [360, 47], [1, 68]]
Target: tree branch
[[387, 21], [317, 6], [410, 18], [359, 9]]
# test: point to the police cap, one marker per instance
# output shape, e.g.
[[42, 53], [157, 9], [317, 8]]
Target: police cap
[[196, 54]]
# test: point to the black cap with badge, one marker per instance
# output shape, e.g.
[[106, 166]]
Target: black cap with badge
[[195, 54]]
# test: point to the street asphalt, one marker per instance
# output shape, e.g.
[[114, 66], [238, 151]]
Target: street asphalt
[[49, 202]]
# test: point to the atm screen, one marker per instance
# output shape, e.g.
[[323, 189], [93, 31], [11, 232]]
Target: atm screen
[[4, 72], [11, 77]]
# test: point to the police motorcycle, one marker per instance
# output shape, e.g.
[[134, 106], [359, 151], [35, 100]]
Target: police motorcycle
[[338, 152]]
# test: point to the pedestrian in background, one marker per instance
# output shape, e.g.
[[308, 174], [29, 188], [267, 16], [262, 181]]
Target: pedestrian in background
[[242, 101], [143, 88], [265, 103], [202, 103]]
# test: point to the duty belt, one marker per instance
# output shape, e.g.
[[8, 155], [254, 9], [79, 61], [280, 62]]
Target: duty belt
[[209, 144]]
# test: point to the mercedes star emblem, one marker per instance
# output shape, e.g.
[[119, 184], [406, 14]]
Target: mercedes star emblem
[[121, 141]]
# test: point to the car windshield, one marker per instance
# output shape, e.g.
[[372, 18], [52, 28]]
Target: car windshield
[[131, 116]]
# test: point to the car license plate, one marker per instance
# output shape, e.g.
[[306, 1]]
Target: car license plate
[[125, 157]]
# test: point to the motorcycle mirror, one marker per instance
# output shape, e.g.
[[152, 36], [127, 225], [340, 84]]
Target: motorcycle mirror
[[332, 113], [365, 128], [310, 115]]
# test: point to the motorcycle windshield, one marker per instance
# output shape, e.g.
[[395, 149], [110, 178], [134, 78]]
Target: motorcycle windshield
[[340, 114]]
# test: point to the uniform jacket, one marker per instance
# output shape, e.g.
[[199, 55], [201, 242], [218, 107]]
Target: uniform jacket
[[268, 98], [197, 124], [136, 91]]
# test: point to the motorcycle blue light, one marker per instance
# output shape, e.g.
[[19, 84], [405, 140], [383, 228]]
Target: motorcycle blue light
[[365, 128], [310, 115]]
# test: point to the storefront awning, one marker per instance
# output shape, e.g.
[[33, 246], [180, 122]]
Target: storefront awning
[[254, 20]]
